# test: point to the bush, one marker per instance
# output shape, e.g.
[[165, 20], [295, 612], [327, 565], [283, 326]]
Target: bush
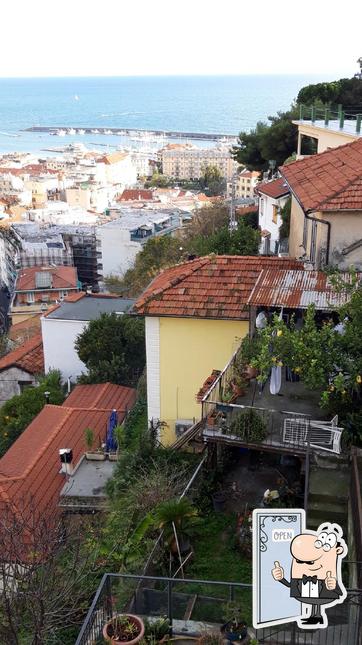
[[249, 426]]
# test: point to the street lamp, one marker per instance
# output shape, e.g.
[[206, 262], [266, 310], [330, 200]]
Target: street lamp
[[47, 396]]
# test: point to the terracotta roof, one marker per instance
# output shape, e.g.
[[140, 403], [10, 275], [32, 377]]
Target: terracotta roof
[[31, 465], [63, 277], [328, 181], [136, 194], [113, 157], [29, 357], [208, 287], [26, 328], [104, 396], [297, 289], [275, 189]]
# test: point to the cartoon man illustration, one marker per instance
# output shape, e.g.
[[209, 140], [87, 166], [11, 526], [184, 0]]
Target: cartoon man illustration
[[315, 572]]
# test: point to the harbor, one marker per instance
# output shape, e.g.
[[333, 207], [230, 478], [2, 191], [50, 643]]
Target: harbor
[[133, 132]]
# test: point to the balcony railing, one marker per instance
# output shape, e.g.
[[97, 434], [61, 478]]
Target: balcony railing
[[196, 607]]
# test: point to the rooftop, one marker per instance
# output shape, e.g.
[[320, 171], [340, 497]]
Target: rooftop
[[349, 126], [132, 219], [86, 486], [89, 307], [275, 188], [31, 466], [29, 357], [138, 194], [297, 289], [328, 181], [208, 287], [44, 278], [105, 396]]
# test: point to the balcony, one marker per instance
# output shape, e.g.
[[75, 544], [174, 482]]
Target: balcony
[[195, 608]]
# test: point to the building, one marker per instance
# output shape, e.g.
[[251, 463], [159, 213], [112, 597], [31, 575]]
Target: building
[[327, 133], [31, 468], [190, 163], [119, 169], [273, 195], [326, 210], [61, 213], [9, 255], [244, 184], [21, 368], [66, 322], [38, 287], [196, 314], [120, 240]]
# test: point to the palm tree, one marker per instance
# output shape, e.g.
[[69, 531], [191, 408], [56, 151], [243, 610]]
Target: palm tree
[[177, 519]]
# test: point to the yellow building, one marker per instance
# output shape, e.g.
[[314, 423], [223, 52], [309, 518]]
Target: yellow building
[[196, 315], [326, 214]]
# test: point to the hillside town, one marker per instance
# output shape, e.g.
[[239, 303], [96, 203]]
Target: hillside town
[[180, 345]]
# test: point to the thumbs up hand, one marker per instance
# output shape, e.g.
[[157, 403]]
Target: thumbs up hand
[[278, 571], [330, 581]]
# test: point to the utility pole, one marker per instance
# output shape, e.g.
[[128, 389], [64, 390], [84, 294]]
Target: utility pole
[[359, 74], [232, 218]]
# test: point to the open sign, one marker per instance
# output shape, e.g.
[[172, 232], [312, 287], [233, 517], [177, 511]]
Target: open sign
[[282, 535]]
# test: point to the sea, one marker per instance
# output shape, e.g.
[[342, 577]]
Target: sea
[[211, 104]]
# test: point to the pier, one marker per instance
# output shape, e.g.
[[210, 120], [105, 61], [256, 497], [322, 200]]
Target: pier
[[168, 134]]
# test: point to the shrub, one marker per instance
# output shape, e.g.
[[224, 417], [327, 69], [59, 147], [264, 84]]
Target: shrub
[[249, 426]]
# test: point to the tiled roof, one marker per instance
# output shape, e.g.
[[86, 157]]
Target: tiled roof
[[275, 189], [113, 157], [297, 289], [62, 278], [328, 181], [29, 357], [138, 194], [208, 287], [25, 329], [105, 396], [31, 465]]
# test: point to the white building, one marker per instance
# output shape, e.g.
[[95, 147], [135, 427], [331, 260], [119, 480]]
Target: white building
[[61, 213], [9, 255], [119, 241], [190, 163], [62, 326], [272, 197], [118, 169]]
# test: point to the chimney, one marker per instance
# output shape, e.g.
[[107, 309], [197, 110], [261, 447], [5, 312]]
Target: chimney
[[66, 459]]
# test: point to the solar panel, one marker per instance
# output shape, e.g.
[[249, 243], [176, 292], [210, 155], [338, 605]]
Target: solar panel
[[43, 280]]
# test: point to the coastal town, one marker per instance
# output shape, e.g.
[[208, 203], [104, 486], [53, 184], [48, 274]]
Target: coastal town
[[180, 345]]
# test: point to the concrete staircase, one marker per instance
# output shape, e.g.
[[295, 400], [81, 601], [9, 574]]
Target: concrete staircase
[[329, 482]]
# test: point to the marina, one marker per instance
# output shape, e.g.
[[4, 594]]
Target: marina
[[133, 132]]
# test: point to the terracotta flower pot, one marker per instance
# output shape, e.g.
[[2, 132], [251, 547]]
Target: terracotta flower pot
[[111, 637]]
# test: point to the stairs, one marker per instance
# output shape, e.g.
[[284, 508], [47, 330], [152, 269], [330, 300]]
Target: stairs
[[328, 493]]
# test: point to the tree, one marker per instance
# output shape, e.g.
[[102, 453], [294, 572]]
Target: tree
[[45, 575], [158, 252], [158, 180], [244, 240], [20, 410], [346, 91], [113, 349], [212, 181], [324, 358]]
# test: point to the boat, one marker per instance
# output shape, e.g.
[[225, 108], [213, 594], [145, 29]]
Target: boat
[[61, 133], [108, 132], [81, 131], [95, 131], [71, 131]]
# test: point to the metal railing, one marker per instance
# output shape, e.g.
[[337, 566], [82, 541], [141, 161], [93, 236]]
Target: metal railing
[[356, 513], [283, 430], [327, 114], [195, 607]]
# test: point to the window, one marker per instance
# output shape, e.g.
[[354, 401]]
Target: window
[[63, 294], [275, 214], [23, 385], [30, 297]]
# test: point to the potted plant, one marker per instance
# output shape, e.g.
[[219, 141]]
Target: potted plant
[[249, 426], [212, 417], [219, 500], [124, 628], [92, 455], [156, 631], [235, 628]]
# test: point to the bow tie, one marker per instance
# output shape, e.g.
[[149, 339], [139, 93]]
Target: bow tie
[[309, 579]]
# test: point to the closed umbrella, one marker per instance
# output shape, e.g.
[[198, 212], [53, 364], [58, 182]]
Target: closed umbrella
[[111, 443]]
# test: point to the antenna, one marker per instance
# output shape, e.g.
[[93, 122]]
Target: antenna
[[359, 74]]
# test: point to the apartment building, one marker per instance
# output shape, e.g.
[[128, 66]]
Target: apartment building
[[190, 163]]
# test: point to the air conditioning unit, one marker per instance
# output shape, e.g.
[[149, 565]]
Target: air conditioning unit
[[182, 425]]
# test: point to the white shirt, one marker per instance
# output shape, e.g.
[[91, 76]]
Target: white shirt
[[310, 590]]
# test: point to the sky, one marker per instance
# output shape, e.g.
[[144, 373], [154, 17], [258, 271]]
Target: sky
[[164, 37]]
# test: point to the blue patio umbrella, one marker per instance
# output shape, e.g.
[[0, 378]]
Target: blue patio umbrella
[[111, 443]]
